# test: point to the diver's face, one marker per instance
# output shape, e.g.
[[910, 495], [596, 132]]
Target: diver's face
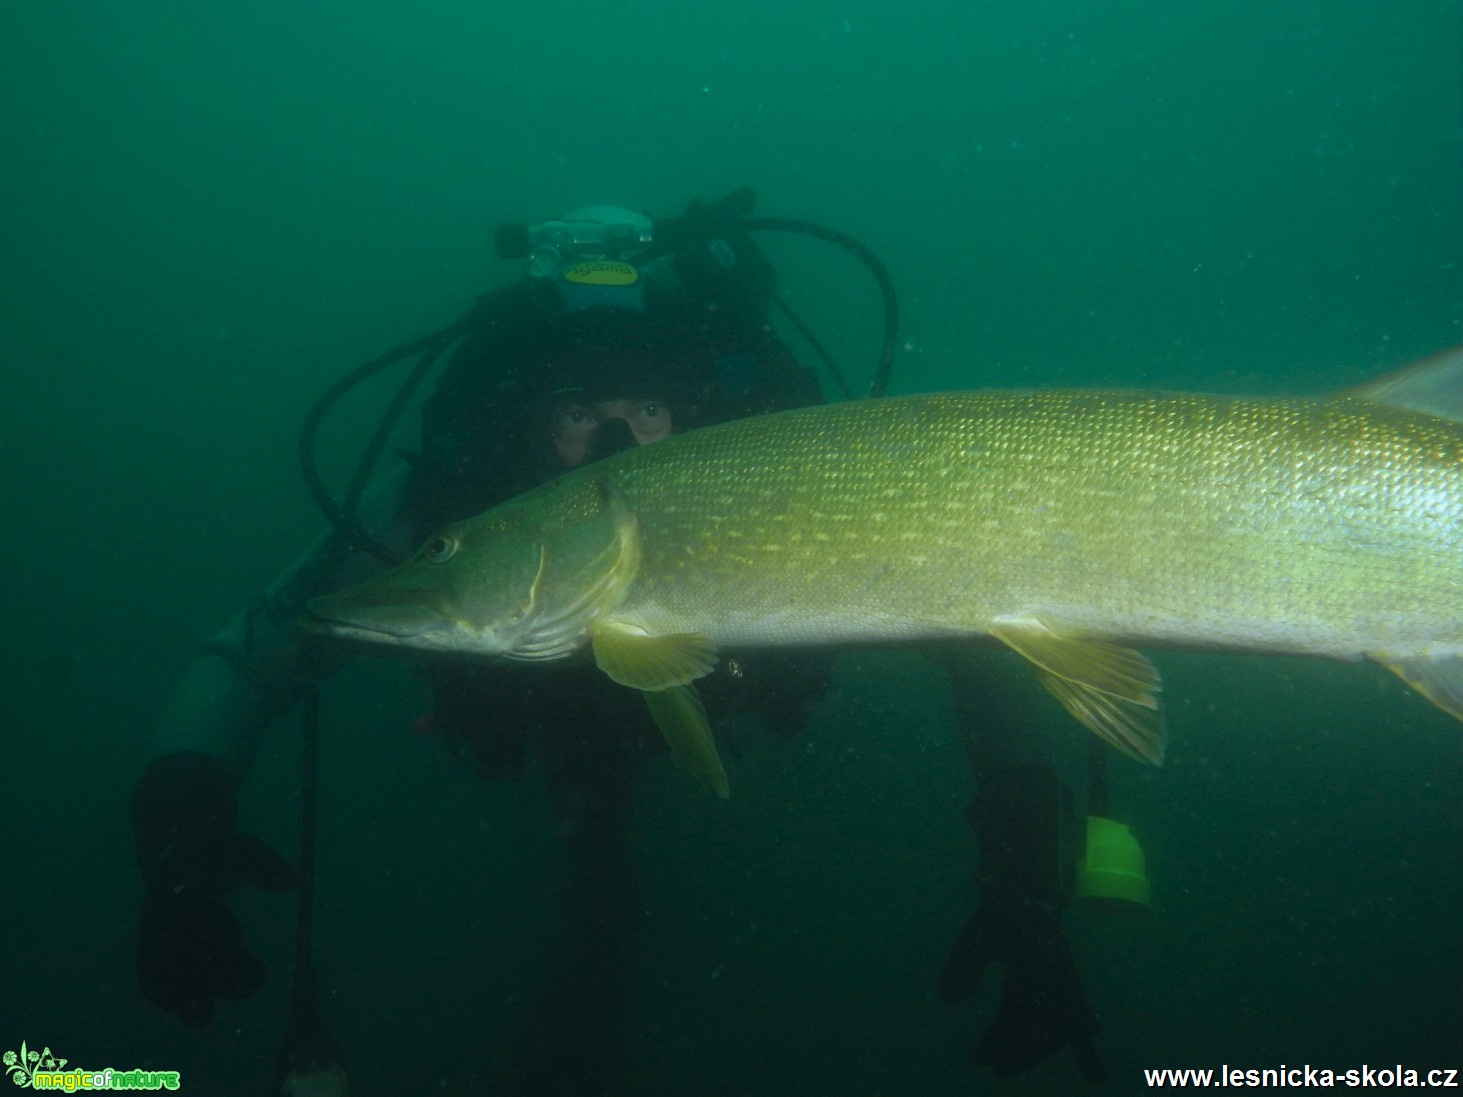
[[574, 425]]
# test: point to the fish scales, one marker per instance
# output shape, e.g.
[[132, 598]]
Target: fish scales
[[1065, 524], [1329, 527]]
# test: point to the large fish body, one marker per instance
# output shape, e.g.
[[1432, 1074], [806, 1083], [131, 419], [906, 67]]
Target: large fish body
[[1071, 525]]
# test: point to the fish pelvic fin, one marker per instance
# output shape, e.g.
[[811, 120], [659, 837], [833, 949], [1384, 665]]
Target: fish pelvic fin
[[1111, 689], [637, 659], [679, 715], [1433, 386], [1439, 678]]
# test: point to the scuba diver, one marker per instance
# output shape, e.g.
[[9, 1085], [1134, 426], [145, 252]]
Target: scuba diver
[[622, 331]]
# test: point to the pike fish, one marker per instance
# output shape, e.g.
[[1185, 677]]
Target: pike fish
[[1073, 526]]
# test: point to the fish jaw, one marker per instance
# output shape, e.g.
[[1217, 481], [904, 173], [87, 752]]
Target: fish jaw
[[519, 581], [383, 614]]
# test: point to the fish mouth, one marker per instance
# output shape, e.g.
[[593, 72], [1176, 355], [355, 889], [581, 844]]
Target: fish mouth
[[381, 615]]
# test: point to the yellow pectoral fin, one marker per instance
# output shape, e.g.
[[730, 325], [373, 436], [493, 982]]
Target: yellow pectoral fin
[[1111, 689], [636, 659], [682, 720]]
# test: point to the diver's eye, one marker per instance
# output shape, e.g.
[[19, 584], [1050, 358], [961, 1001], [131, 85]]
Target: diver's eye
[[440, 549]]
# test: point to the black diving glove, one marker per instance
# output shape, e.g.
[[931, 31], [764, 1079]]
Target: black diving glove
[[1043, 1007], [189, 944]]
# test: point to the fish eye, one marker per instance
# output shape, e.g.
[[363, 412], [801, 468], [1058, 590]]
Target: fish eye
[[440, 549]]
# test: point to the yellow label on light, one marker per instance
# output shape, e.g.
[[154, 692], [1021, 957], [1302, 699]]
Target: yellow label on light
[[603, 273]]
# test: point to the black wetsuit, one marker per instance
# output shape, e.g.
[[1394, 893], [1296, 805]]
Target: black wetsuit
[[485, 440]]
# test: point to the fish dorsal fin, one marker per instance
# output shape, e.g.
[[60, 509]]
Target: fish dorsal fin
[[1111, 689], [678, 714], [1433, 386], [637, 659]]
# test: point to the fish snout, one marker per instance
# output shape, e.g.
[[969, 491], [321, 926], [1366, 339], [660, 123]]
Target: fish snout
[[380, 613]]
